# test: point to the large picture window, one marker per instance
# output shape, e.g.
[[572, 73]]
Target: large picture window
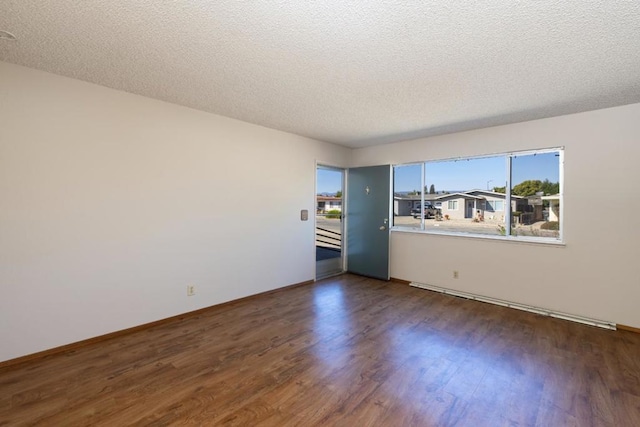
[[513, 195]]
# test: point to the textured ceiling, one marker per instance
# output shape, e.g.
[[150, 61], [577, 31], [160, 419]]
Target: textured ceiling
[[351, 72]]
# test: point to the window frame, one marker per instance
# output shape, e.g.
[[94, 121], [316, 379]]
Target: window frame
[[507, 202]]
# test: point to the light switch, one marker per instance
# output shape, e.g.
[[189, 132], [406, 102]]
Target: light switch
[[304, 215]]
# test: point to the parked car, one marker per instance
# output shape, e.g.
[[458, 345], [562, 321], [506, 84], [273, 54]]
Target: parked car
[[430, 211]]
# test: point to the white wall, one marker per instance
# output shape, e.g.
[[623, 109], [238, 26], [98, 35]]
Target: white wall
[[112, 203], [597, 273]]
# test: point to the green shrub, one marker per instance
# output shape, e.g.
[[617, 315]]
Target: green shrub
[[333, 214], [551, 225]]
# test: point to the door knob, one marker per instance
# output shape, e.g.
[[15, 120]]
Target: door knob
[[382, 228]]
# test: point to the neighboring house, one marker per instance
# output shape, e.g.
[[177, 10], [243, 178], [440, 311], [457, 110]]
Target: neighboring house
[[468, 204], [402, 205], [325, 204], [494, 203], [554, 207], [460, 205], [535, 211]]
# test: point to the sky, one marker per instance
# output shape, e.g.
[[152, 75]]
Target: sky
[[478, 173], [329, 181], [468, 174]]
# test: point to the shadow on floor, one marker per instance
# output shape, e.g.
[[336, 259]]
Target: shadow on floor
[[326, 253]]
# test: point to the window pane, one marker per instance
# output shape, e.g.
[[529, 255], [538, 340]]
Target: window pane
[[535, 190], [407, 180], [469, 195], [495, 206]]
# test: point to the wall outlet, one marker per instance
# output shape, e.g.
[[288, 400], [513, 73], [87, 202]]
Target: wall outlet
[[191, 290], [455, 274]]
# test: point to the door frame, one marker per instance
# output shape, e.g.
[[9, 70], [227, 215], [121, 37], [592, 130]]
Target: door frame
[[343, 246]]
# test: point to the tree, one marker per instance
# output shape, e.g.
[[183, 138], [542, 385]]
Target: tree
[[339, 194], [550, 188], [432, 189], [531, 187], [527, 188]]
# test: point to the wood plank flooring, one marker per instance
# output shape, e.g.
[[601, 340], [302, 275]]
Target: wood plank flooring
[[346, 351]]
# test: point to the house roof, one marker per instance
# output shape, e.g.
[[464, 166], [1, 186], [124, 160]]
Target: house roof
[[492, 193], [352, 73], [471, 194], [458, 196], [328, 199], [427, 197]]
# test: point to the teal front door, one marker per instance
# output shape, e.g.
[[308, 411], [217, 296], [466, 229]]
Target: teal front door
[[368, 207]]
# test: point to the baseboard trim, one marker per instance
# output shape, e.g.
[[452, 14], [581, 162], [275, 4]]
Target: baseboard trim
[[538, 310], [89, 341], [401, 281], [628, 328]]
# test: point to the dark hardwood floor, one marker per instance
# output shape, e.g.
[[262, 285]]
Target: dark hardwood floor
[[347, 351]]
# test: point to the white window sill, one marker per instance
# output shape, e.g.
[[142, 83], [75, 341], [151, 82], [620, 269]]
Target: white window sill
[[547, 241]]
